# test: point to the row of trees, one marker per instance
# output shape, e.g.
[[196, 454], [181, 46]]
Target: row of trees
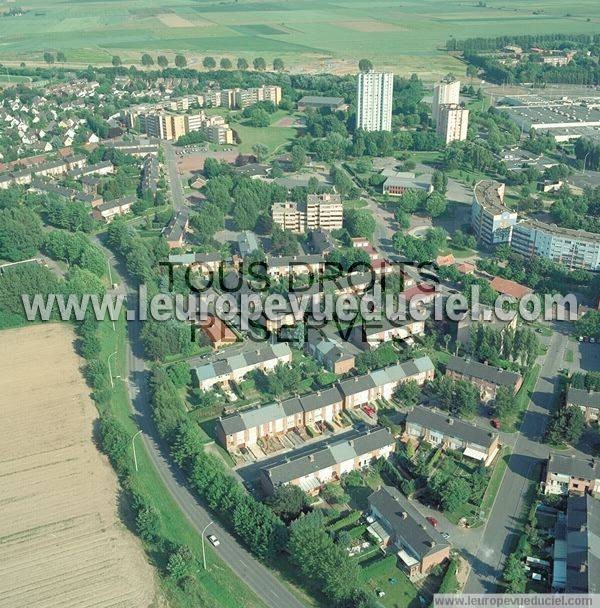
[[488, 343]]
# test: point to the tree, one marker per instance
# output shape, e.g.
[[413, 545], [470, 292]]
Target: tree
[[259, 118], [209, 63], [116, 61], [364, 65], [147, 60], [454, 493], [210, 220], [278, 64], [61, 57], [439, 181], [162, 61], [259, 64], [333, 493], [48, 57], [21, 234], [180, 61], [408, 392], [298, 156], [514, 574], [435, 204], [225, 63], [180, 563], [288, 502], [260, 151], [359, 222], [242, 64]]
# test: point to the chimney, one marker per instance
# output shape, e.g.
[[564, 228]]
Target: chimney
[[450, 421], [432, 543]]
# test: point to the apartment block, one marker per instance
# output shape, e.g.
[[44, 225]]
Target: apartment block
[[375, 91], [371, 335], [487, 378], [566, 474], [444, 93], [310, 472], [318, 212], [108, 210], [401, 529], [572, 248], [440, 429], [491, 221], [452, 124]]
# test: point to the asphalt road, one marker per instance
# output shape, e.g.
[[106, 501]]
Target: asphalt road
[[259, 578], [177, 194], [502, 526]]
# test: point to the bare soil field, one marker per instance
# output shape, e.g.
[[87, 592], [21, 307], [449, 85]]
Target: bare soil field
[[370, 25], [61, 541], [190, 164]]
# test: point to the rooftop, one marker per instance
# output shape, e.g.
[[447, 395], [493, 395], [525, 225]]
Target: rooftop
[[583, 398], [563, 464], [449, 426], [510, 288], [474, 369]]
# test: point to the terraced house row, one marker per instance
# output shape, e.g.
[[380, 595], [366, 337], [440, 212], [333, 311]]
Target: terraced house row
[[246, 427]]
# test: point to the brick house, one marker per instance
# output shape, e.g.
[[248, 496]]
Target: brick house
[[487, 378], [569, 475], [401, 528], [587, 401]]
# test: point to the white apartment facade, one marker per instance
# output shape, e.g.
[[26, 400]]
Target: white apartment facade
[[374, 101], [444, 93], [453, 123]]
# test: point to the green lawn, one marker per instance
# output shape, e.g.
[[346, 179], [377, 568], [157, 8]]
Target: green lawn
[[495, 480], [275, 138], [383, 575], [569, 357]]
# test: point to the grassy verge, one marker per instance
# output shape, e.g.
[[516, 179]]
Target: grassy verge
[[489, 496], [222, 587], [511, 425]]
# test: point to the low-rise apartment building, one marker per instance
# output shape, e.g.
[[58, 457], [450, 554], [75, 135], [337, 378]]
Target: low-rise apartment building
[[235, 367], [174, 232], [285, 265], [310, 472], [245, 427], [491, 221], [417, 544], [566, 474], [399, 184], [487, 378], [440, 429], [587, 401], [108, 210]]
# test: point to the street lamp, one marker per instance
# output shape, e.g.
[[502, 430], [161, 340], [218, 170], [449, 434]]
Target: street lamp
[[133, 446], [203, 534], [112, 384]]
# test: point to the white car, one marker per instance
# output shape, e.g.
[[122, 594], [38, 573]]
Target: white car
[[214, 541]]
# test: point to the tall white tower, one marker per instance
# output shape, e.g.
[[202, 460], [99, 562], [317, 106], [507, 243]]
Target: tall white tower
[[444, 93], [374, 101]]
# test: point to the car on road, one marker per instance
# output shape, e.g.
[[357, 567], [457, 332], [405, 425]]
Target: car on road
[[433, 521], [445, 535], [495, 422], [214, 541]]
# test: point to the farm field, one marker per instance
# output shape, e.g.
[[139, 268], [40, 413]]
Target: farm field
[[309, 35], [61, 541]]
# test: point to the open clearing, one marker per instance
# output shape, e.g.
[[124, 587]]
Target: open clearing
[[61, 542], [309, 35]]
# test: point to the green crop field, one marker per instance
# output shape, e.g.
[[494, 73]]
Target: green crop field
[[309, 35]]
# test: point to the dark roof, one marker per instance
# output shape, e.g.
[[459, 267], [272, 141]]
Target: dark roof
[[119, 202], [409, 529], [563, 464], [316, 100], [450, 427], [319, 399], [176, 227], [356, 385], [492, 374], [286, 260], [583, 545], [331, 454], [583, 398]]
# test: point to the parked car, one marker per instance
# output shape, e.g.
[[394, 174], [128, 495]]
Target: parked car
[[445, 535], [433, 521], [214, 541], [369, 411], [495, 422]]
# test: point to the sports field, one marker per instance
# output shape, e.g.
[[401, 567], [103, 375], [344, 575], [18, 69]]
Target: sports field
[[308, 34]]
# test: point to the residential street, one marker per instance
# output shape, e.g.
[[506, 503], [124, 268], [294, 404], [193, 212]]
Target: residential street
[[173, 179], [259, 578], [502, 527]]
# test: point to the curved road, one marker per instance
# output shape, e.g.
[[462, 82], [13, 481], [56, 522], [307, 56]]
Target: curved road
[[258, 577]]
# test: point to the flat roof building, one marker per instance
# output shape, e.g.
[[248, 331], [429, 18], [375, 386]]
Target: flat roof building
[[491, 220], [375, 91]]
